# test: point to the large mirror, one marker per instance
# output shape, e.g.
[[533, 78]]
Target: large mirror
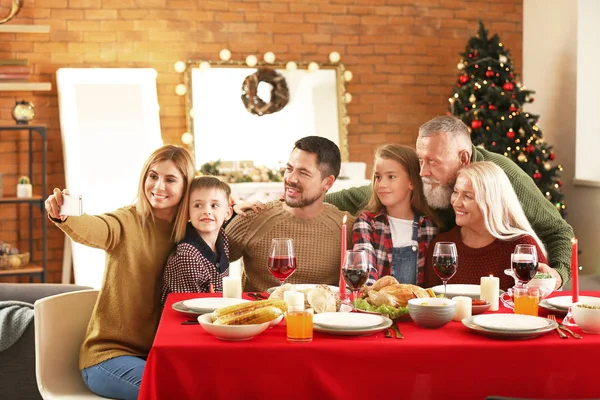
[[229, 129]]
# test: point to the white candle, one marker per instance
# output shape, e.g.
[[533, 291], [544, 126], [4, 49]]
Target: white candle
[[463, 307], [294, 300], [235, 269], [490, 290], [232, 287]]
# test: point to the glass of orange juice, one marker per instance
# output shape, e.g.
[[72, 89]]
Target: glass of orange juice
[[526, 300]]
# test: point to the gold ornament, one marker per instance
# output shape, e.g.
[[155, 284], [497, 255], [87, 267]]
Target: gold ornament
[[14, 10], [472, 98]]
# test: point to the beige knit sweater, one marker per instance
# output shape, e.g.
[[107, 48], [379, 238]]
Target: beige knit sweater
[[126, 315], [317, 244]]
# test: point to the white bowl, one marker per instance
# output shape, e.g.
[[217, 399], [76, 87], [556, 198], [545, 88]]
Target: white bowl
[[431, 312], [231, 332], [586, 318], [546, 285]]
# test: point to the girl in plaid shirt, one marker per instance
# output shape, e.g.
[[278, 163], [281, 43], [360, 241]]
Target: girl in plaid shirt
[[397, 225]]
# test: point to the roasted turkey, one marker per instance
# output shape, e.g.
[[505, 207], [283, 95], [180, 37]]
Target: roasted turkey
[[388, 291]]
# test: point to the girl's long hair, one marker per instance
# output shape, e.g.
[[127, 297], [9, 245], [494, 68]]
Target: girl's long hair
[[182, 159], [409, 161], [502, 213]]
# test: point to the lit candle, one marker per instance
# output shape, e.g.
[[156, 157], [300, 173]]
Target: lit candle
[[464, 306], [490, 290], [575, 270], [342, 283], [232, 287]]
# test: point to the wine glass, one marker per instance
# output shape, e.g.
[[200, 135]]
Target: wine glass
[[524, 263], [445, 261], [282, 259], [355, 270]]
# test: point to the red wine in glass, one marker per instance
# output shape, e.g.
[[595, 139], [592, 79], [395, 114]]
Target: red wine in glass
[[445, 266], [281, 267], [524, 263], [355, 278], [282, 259], [445, 261]]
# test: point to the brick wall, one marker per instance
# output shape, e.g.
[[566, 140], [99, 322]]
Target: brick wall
[[403, 54]]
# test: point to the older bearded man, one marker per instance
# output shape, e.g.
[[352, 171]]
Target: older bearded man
[[444, 146], [302, 215]]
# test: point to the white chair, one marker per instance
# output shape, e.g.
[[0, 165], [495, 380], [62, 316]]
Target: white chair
[[60, 325]]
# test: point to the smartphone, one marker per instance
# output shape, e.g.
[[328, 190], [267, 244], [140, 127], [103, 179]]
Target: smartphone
[[71, 206]]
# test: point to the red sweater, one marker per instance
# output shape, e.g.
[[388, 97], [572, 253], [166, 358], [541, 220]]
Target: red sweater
[[492, 259]]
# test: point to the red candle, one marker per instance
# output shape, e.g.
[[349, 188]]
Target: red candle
[[342, 283], [575, 270]]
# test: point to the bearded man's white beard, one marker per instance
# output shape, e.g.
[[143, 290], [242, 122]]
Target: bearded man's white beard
[[438, 198]]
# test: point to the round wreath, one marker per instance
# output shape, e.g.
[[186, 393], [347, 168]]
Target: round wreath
[[280, 93]]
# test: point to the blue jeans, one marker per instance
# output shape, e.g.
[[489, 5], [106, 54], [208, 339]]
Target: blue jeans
[[116, 378]]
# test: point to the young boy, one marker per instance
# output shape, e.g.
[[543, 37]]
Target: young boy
[[201, 259]]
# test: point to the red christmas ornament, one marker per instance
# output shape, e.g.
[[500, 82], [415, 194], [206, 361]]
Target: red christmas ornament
[[510, 135], [470, 55], [466, 108], [476, 124], [511, 75], [463, 79], [489, 73], [508, 86], [494, 144], [531, 100], [492, 107], [537, 176], [513, 96], [530, 148], [537, 160], [559, 183], [482, 106], [551, 156], [475, 53], [512, 108], [493, 85]]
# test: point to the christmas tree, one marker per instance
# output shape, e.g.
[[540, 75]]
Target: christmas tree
[[489, 99]]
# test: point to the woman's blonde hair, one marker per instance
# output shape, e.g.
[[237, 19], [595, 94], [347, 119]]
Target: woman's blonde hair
[[409, 161], [502, 213], [182, 159]]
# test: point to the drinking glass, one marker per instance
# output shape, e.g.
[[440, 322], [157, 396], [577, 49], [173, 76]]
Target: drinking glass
[[445, 261], [524, 263], [282, 259], [355, 270]]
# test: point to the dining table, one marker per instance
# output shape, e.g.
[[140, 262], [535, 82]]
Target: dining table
[[451, 362]]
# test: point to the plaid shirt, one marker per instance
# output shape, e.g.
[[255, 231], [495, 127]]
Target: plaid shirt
[[372, 233]]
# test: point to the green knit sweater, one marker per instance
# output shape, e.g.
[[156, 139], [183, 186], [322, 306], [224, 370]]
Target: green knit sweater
[[545, 220], [127, 311], [317, 244]]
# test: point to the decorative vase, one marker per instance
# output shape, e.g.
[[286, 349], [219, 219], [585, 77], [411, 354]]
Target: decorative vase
[[24, 190]]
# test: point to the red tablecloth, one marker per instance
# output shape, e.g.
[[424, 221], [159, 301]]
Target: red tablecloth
[[447, 363]]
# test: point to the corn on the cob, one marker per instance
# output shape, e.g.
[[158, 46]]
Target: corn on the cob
[[257, 316], [246, 307]]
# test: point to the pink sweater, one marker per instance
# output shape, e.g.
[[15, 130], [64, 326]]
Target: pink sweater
[[492, 259]]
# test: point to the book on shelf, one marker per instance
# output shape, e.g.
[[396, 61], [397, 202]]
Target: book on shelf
[[14, 77], [15, 69], [10, 61]]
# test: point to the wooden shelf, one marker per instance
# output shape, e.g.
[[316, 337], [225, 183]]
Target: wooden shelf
[[25, 28], [25, 86], [30, 269], [9, 200]]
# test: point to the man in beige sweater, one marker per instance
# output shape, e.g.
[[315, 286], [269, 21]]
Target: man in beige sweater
[[301, 215]]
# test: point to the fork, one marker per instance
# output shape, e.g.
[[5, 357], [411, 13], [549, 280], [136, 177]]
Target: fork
[[564, 328], [562, 335]]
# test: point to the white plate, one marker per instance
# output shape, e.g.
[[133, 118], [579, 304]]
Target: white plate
[[209, 304], [386, 323], [473, 291], [511, 322], [347, 320], [304, 286], [564, 302], [468, 322]]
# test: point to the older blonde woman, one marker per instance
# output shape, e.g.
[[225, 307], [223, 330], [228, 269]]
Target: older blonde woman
[[490, 223]]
